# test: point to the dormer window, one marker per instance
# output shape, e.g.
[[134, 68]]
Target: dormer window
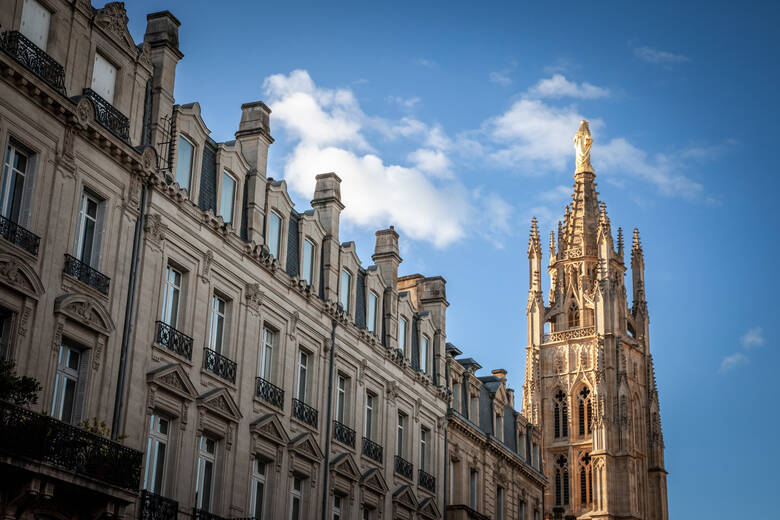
[[424, 354], [274, 233], [499, 427], [227, 197], [402, 334], [373, 302], [308, 261], [346, 282], [104, 78], [35, 23], [184, 163]]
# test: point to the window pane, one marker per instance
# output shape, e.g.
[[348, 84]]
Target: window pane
[[346, 280], [259, 492], [424, 355], [159, 468], [104, 78], [184, 163], [402, 334], [228, 195], [308, 261], [274, 233], [371, 318]]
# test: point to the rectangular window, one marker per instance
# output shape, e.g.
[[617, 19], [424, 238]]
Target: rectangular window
[[266, 354], [521, 510], [337, 500], [296, 499], [401, 436], [473, 489], [368, 429], [35, 23], [424, 355], [6, 321], [104, 78], [451, 479], [500, 427], [341, 398], [90, 229], [346, 282], [204, 483], [500, 503], [402, 335], [456, 397], [373, 302], [425, 439], [184, 163], [217, 323], [227, 197], [308, 261], [14, 183], [258, 489], [171, 294], [303, 367], [536, 514], [473, 409], [156, 451], [69, 383], [274, 233]]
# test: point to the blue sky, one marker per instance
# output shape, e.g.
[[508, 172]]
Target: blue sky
[[454, 122]]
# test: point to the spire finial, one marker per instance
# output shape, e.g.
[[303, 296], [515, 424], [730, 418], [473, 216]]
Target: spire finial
[[620, 242], [534, 242], [636, 247], [582, 144]]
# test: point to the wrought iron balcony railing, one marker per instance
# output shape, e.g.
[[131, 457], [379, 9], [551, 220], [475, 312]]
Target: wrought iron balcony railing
[[372, 450], [270, 393], [34, 59], [403, 467], [157, 507], [83, 272], [304, 413], [427, 481], [218, 364], [19, 236], [200, 514], [173, 340], [108, 116], [344, 434], [24, 433]]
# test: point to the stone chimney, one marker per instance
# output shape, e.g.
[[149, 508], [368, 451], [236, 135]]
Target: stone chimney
[[499, 373], [387, 259], [162, 35], [328, 207], [254, 137]]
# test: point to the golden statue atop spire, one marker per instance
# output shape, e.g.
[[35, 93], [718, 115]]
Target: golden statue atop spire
[[582, 144]]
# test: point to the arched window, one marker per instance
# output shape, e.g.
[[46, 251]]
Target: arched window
[[574, 315], [561, 481], [586, 480], [585, 411], [560, 415]]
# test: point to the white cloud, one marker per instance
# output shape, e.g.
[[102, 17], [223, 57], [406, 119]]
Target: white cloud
[[500, 78], [423, 200], [656, 56], [733, 361], [558, 86], [426, 63], [404, 102], [752, 338]]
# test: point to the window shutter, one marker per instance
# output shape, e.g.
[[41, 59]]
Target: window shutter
[[104, 78], [100, 228], [27, 194], [81, 387], [35, 23]]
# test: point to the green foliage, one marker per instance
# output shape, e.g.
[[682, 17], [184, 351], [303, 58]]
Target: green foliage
[[18, 390], [98, 428]]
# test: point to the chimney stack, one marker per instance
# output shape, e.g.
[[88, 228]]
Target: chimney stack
[[162, 35], [254, 137], [327, 206]]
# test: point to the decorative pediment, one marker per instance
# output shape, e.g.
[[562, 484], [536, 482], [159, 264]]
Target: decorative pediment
[[404, 496], [345, 466], [221, 403], [429, 509], [306, 446], [85, 310], [174, 379], [373, 480], [270, 427], [16, 273], [113, 19], [500, 396]]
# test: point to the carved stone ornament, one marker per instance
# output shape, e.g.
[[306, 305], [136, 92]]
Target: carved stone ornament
[[145, 54], [113, 19], [254, 296], [208, 259], [85, 112], [155, 228]]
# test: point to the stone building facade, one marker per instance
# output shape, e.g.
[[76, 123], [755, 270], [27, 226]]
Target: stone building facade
[[493, 453], [590, 382], [244, 359]]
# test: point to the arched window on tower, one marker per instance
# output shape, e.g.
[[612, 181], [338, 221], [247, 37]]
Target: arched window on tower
[[586, 480], [561, 481], [585, 411], [560, 415], [574, 315]]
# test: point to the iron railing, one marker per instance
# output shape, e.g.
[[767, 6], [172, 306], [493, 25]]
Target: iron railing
[[34, 59], [427, 481], [173, 340], [344, 434], [24, 433], [19, 236], [200, 514], [108, 116], [157, 507], [403, 467], [372, 450], [83, 272], [218, 364], [270, 393], [305, 413]]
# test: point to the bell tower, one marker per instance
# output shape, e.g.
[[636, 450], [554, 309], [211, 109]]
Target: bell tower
[[590, 381]]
